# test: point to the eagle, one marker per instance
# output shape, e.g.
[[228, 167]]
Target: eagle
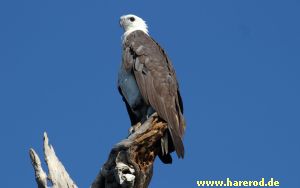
[[147, 83]]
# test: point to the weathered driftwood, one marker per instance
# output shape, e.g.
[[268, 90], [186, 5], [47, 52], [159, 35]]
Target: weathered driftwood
[[58, 176], [129, 165]]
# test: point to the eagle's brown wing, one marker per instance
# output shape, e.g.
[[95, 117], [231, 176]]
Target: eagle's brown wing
[[157, 83]]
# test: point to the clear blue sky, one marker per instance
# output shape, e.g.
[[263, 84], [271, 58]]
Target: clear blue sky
[[238, 64]]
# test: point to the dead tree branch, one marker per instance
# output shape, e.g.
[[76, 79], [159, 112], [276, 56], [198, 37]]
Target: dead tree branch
[[58, 176], [129, 165]]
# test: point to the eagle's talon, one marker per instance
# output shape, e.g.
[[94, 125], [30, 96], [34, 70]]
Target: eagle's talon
[[131, 130], [135, 127]]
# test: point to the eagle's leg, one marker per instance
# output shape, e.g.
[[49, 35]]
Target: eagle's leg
[[147, 112], [150, 111]]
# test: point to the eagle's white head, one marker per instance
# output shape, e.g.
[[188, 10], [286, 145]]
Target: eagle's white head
[[132, 23]]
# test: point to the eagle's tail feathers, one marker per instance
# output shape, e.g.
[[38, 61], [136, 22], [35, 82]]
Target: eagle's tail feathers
[[177, 143]]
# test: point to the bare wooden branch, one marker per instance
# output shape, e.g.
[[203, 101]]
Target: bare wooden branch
[[130, 163], [40, 175], [58, 176]]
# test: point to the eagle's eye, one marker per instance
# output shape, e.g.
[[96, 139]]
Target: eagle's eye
[[132, 19]]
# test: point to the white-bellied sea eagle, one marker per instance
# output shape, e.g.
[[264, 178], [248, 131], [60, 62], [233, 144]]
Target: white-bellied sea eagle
[[148, 84]]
